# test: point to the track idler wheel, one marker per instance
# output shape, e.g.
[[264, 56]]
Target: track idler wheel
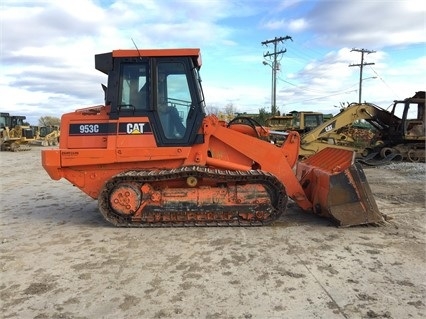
[[125, 199]]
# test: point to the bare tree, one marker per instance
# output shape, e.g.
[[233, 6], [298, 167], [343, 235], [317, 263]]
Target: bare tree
[[49, 121], [230, 111], [212, 109]]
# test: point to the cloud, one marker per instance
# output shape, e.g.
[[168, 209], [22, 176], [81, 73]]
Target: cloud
[[48, 48], [295, 25], [43, 23], [49, 60], [368, 23]]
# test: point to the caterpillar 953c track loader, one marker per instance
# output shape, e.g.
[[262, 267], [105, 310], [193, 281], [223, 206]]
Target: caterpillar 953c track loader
[[152, 157]]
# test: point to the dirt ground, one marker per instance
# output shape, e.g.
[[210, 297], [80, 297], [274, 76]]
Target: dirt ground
[[59, 259]]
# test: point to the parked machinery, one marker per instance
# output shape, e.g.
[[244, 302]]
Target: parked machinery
[[399, 133], [46, 135], [14, 134], [301, 122], [153, 158]]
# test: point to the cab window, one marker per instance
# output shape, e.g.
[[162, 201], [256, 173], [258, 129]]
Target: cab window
[[133, 93], [173, 99]]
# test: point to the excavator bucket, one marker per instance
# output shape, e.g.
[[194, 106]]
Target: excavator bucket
[[338, 188]]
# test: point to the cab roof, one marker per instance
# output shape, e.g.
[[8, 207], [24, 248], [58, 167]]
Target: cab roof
[[191, 52], [103, 62]]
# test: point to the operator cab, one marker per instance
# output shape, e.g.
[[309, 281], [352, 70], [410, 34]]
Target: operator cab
[[162, 85], [4, 120], [17, 120], [412, 113]]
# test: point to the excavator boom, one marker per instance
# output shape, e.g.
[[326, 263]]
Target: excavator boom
[[400, 132]]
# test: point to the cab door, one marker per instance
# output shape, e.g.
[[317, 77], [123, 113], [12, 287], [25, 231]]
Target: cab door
[[178, 107]]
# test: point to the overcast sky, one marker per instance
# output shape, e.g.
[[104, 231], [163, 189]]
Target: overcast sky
[[48, 48]]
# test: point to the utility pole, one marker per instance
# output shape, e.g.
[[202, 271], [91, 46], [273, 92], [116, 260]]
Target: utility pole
[[275, 67], [361, 65]]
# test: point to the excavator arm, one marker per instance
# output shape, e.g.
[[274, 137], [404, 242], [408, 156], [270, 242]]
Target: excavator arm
[[324, 135], [372, 113]]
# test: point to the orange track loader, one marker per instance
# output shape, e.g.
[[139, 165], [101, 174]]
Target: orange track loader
[[153, 158]]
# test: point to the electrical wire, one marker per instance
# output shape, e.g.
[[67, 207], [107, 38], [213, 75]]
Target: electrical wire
[[381, 79], [319, 97], [316, 91]]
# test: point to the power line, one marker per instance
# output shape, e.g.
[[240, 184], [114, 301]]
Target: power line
[[319, 97], [304, 53], [361, 66], [381, 79], [317, 91]]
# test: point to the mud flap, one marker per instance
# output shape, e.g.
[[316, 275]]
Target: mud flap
[[338, 188]]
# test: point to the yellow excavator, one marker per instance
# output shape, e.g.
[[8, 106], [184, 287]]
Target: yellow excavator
[[399, 133]]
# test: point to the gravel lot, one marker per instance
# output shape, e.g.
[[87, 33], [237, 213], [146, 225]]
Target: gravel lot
[[59, 259]]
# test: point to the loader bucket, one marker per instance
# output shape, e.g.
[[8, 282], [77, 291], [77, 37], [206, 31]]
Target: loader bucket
[[338, 188]]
